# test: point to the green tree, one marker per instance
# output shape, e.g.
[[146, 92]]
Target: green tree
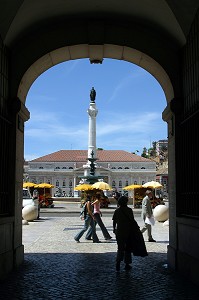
[[145, 153], [152, 151]]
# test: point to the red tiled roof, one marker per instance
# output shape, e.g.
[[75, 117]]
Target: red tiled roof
[[81, 155]]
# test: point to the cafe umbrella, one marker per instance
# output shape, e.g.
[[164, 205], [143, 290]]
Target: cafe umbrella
[[101, 185], [132, 187], [83, 187], [28, 184], [44, 186], [152, 185]]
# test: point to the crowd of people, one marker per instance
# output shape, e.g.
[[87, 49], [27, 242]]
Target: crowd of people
[[128, 235]]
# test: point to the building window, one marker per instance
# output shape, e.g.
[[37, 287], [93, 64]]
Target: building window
[[70, 183], [120, 168], [143, 182], [64, 183], [57, 168], [127, 168], [113, 168], [71, 168], [120, 183], [127, 183], [113, 183], [41, 167], [143, 168], [64, 168], [135, 182], [57, 183]]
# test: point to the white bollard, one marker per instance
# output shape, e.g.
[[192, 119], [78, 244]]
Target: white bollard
[[25, 222], [29, 212], [161, 213]]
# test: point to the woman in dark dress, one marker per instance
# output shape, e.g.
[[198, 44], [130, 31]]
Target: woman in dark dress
[[128, 235]]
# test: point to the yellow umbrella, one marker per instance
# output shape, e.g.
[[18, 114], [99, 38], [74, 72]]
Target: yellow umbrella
[[152, 185], [28, 185], [44, 185], [83, 187], [101, 186], [132, 187]]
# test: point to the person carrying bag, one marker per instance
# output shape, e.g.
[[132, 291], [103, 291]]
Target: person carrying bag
[[128, 235]]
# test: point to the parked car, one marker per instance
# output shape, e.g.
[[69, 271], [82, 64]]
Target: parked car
[[28, 200]]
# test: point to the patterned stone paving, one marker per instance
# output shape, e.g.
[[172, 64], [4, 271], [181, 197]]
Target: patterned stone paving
[[56, 267]]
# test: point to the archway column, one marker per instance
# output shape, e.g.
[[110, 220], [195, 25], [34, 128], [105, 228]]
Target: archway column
[[22, 116], [170, 118]]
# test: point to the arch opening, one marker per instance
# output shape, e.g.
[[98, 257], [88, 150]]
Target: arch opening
[[68, 146]]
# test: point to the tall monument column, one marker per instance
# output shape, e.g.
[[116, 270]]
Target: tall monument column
[[92, 112], [91, 166]]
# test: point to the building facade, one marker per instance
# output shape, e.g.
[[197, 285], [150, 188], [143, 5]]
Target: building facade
[[163, 178], [64, 169]]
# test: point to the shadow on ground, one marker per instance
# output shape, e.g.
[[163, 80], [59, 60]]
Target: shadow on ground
[[93, 276]]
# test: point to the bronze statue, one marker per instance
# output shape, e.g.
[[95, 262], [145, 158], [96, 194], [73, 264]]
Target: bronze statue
[[92, 94]]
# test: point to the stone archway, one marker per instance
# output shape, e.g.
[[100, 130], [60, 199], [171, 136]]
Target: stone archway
[[95, 53], [37, 53], [98, 53]]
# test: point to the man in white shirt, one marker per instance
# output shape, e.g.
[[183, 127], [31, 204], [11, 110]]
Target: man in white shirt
[[147, 212]]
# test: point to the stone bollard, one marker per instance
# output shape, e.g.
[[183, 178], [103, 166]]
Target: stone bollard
[[29, 212], [161, 213], [166, 223], [25, 222]]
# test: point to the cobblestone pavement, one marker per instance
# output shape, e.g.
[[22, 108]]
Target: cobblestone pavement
[[56, 267]]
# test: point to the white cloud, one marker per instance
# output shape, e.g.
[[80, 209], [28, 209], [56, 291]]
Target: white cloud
[[125, 82], [128, 123], [71, 66], [128, 132]]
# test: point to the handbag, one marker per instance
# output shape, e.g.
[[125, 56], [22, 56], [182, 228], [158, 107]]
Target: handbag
[[150, 221]]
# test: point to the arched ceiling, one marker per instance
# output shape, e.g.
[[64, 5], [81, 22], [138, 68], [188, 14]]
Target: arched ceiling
[[172, 17]]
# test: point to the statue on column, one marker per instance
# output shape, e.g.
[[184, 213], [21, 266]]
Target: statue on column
[[92, 95]]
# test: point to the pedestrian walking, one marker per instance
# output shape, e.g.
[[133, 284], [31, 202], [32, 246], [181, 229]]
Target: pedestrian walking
[[128, 235], [116, 196], [35, 196], [147, 212], [88, 221], [97, 219]]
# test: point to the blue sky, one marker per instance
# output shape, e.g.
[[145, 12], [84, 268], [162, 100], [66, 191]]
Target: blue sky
[[130, 102]]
